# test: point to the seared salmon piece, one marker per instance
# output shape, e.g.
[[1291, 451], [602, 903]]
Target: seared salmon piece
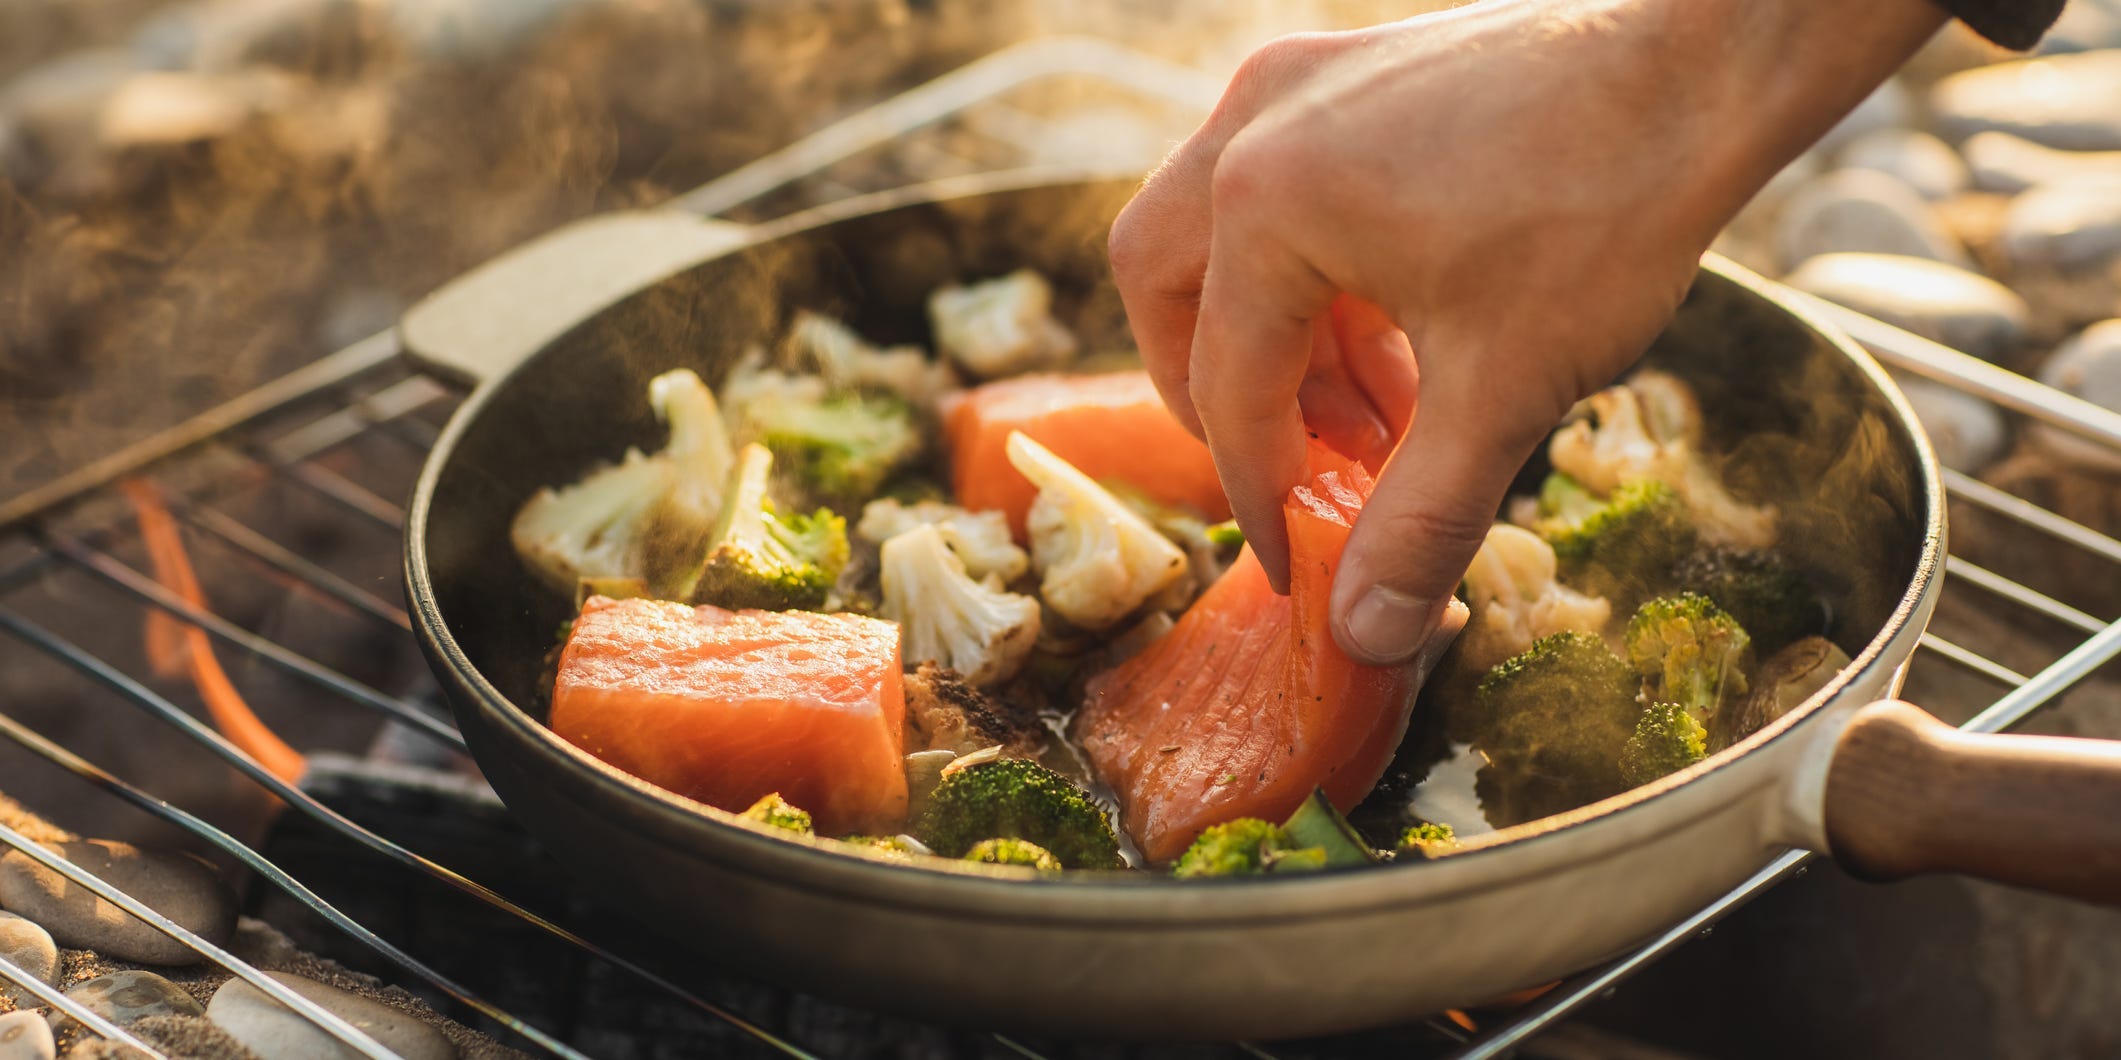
[[727, 706], [1247, 704]]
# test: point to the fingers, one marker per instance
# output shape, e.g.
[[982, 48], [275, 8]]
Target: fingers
[[1250, 348], [1159, 253], [1430, 512], [1334, 405], [1380, 362]]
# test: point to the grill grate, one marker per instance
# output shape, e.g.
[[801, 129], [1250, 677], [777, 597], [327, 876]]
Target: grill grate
[[314, 437]]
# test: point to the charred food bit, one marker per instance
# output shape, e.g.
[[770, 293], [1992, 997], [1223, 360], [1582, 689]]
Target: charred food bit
[[759, 558], [1016, 798], [1013, 852], [1515, 597], [641, 517], [944, 713], [1767, 596], [1097, 560], [1002, 326]]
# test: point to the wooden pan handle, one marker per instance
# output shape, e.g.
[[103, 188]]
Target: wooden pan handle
[[1906, 794]]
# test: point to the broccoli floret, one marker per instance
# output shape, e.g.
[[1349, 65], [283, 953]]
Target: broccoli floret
[[643, 517], [760, 558], [1016, 798], [1013, 852], [840, 448], [776, 812], [1651, 428], [977, 630], [1428, 839], [1097, 559], [1774, 603], [896, 847], [1689, 652], [1233, 848], [1225, 534], [1667, 739], [1562, 710], [1614, 546]]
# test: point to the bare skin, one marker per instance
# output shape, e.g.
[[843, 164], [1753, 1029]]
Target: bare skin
[[1495, 209]]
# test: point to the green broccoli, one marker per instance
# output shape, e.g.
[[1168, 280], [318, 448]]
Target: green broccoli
[[842, 448], [774, 811], [1667, 739], [1619, 545], [1317, 825], [1013, 852], [1560, 711], [1689, 652], [1225, 534], [1428, 839], [760, 558], [1016, 798], [1767, 596], [1241, 847], [898, 847]]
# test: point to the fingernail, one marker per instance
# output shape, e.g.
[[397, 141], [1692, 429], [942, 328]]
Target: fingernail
[[1388, 625]]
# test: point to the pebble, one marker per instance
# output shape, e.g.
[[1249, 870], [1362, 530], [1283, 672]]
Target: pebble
[[270, 1029], [163, 107], [1862, 210], [1889, 106], [2087, 366], [123, 997], [2000, 162], [1969, 434], [2065, 101], [2068, 226], [179, 886], [2085, 25], [30, 948], [1960, 309], [1919, 160], [26, 1036]]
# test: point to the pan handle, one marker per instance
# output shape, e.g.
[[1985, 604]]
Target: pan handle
[[1908, 794], [482, 324]]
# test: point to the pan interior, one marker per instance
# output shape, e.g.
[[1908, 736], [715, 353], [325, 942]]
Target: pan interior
[[1805, 429]]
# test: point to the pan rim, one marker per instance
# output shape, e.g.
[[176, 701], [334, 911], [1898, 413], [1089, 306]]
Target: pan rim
[[1146, 899]]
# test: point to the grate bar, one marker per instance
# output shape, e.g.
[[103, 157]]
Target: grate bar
[[336, 487], [301, 570], [351, 421], [2016, 593], [1975, 661], [2025, 512], [145, 698], [108, 568], [323, 1018], [2056, 679], [36, 743], [45, 992]]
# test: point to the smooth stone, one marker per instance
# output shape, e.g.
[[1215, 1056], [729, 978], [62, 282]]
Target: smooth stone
[[26, 1036], [1961, 309], [1866, 211], [1889, 106], [122, 997], [2068, 226], [2085, 25], [30, 948], [1919, 160], [2087, 366], [1969, 434], [179, 886], [2066, 101], [268, 1028], [164, 107], [2000, 162]]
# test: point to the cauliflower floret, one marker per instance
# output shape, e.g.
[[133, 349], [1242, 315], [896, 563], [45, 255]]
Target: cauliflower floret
[[980, 539], [1000, 327], [847, 361], [646, 516], [1650, 428], [1516, 600], [946, 617], [1097, 558]]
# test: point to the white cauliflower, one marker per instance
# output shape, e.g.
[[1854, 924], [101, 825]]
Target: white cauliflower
[[945, 617], [645, 517], [1097, 559], [1516, 600], [847, 361], [1650, 428], [1000, 327], [980, 539]]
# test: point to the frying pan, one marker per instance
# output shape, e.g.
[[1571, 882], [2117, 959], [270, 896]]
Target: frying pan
[[560, 338]]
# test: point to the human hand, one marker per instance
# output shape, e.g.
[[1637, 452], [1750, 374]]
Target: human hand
[[1494, 208]]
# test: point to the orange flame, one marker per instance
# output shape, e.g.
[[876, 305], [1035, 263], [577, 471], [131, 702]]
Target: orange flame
[[174, 644]]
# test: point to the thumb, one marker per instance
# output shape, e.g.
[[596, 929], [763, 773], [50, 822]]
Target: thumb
[[1431, 510]]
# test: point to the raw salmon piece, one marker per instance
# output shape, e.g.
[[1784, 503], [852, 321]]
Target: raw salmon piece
[[727, 706], [1248, 704], [1111, 426]]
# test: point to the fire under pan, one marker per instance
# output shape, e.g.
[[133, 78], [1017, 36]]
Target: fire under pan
[[343, 438]]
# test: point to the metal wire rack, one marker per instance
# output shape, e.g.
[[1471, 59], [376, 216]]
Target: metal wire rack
[[319, 436]]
